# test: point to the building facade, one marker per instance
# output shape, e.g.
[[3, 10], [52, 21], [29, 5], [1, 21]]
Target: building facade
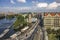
[[52, 19]]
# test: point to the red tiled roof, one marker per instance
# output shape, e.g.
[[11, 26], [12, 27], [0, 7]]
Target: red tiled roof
[[45, 14], [52, 14], [59, 14]]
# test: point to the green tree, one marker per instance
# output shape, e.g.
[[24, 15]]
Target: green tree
[[52, 36], [10, 16], [20, 23]]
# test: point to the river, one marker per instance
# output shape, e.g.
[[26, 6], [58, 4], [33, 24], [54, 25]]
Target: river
[[5, 24]]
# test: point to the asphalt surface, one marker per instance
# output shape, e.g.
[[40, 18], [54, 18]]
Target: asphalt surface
[[37, 35], [41, 32], [32, 36]]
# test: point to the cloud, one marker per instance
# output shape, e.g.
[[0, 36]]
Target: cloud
[[23, 1], [53, 5], [34, 1], [58, 4], [58, 1], [40, 5], [23, 8], [27, 9], [12, 2], [15, 9]]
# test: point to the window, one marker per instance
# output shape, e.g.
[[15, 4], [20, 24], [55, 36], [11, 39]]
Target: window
[[47, 22], [56, 22]]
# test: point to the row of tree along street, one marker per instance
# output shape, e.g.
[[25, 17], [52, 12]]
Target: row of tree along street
[[53, 34]]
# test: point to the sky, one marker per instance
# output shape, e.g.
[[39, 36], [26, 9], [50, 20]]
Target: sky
[[30, 5]]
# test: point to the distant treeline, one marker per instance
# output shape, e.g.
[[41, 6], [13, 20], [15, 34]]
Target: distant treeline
[[1, 17], [7, 16]]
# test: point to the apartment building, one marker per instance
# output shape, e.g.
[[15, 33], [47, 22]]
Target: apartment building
[[51, 19], [30, 18]]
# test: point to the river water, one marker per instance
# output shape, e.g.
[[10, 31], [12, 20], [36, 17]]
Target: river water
[[4, 24]]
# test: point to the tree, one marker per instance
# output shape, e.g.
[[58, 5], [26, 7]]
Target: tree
[[27, 16], [52, 36], [20, 23], [10, 16]]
